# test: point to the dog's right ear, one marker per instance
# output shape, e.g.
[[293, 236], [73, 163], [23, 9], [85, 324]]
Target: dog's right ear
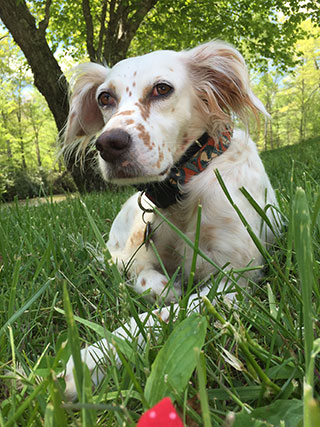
[[85, 118]]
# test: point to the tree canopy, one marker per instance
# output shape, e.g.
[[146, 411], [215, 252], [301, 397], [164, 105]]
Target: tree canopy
[[107, 31]]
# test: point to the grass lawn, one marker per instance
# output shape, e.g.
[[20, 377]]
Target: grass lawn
[[258, 362]]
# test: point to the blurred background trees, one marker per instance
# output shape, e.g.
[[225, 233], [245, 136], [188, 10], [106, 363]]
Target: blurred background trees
[[293, 98], [40, 40]]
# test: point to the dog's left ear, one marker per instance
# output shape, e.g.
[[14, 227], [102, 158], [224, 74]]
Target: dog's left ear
[[85, 118], [220, 79]]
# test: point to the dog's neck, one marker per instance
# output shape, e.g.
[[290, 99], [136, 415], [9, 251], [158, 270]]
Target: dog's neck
[[166, 193]]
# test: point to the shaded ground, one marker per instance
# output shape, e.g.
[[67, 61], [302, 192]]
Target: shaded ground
[[39, 200]]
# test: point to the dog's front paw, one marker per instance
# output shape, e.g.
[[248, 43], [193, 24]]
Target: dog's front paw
[[158, 285], [70, 392], [95, 358]]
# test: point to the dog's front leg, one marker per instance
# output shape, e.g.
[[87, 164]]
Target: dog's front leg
[[101, 354], [98, 356]]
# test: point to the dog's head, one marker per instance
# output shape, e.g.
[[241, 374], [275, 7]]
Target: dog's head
[[148, 110]]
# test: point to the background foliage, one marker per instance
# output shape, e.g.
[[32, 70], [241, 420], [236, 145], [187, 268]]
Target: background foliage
[[28, 136]]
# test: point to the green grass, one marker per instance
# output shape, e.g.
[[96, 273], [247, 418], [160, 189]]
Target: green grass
[[257, 361]]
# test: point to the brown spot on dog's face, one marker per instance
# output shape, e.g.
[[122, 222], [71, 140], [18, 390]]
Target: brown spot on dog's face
[[130, 93], [144, 135], [129, 122], [144, 102], [143, 282], [134, 74], [127, 89], [144, 109], [125, 113], [145, 94], [133, 84]]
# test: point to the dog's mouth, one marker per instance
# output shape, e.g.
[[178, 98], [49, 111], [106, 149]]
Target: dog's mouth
[[129, 173]]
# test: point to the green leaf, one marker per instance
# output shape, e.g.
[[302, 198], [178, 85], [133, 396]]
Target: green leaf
[[289, 411], [176, 361], [48, 416], [244, 419]]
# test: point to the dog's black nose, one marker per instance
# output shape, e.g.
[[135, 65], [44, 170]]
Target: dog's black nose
[[111, 144]]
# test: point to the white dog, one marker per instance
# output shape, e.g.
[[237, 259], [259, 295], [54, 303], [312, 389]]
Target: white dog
[[165, 124]]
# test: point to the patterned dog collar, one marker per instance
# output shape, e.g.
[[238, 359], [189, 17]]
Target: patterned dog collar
[[165, 193]]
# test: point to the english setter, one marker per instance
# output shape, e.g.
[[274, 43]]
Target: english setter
[[165, 123]]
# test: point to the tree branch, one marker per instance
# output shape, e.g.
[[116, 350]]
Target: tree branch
[[89, 30], [43, 25], [102, 30], [3, 37], [117, 42]]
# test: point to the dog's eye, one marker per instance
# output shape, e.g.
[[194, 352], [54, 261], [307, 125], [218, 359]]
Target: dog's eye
[[106, 100], [161, 89]]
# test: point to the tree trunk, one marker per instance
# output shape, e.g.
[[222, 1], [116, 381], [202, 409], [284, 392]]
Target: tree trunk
[[36, 141], [19, 130], [8, 144], [20, 138], [302, 113]]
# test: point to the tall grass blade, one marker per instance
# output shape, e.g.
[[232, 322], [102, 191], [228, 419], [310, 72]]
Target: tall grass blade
[[304, 254], [25, 307], [103, 245], [26, 403], [58, 413], [74, 342], [315, 214], [202, 377], [13, 290], [79, 367], [195, 251]]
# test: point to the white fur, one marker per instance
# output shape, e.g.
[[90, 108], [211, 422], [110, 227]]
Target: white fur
[[210, 85]]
